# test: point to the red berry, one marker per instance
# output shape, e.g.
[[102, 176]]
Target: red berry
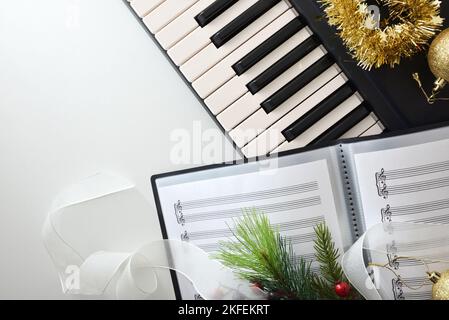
[[342, 289]]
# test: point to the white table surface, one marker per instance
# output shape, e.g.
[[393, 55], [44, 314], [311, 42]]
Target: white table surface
[[83, 89]]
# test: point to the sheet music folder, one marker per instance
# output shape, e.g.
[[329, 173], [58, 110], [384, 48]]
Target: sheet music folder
[[350, 185]]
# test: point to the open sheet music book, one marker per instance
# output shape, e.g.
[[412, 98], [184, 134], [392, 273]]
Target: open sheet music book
[[350, 186]]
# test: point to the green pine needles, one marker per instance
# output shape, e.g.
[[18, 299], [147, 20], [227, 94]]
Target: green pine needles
[[262, 256], [328, 257]]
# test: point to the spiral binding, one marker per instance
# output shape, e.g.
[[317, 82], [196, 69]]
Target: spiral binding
[[349, 191]]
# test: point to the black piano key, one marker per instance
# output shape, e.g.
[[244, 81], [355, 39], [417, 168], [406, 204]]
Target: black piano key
[[242, 21], [315, 114], [268, 46], [213, 11], [344, 125], [297, 83], [282, 65]]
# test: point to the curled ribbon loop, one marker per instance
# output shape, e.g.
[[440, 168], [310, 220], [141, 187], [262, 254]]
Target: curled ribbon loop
[[98, 237]]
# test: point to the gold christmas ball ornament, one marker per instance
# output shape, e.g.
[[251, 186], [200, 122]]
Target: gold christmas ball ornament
[[440, 290], [438, 59]]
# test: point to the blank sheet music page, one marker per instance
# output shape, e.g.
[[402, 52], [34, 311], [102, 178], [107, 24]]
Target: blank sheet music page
[[295, 198], [407, 184]]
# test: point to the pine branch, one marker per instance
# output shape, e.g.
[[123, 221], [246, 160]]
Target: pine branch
[[261, 255], [323, 288], [331, 271], [327, 255]]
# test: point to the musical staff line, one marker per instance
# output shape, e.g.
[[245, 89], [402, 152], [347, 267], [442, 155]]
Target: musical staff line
[[399, 286], [385, 190], [228, 232], [251, 196], [415, 171], [389, 212], [417, 281], [396, 263], [294, 240], [307, 257], [443, 219], [419, 186], [418, 245], [426, 295], [184, 218]]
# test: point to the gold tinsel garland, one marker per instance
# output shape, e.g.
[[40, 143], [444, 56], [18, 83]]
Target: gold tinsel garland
[[417, 22]]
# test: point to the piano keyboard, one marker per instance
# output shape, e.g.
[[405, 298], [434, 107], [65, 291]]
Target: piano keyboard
[[261, 72]]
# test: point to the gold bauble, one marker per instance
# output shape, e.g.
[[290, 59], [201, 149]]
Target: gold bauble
[[438, 56], [440, 290]]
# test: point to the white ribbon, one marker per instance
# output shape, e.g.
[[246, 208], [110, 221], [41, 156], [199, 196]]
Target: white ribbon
[[386, 239], [354, 267], [98, 237]]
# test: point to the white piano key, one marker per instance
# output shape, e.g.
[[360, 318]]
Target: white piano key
[[179, 28], [210, 55], [271, 138], [165, 13], [378, 128], [200, 37], [225, 95], [249, 103], [222, 72], [143, 7], [259, 121], [235, 88], [360, 127], [324, 124]]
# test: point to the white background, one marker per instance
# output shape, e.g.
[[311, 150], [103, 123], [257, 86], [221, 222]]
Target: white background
[[83, 89]]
